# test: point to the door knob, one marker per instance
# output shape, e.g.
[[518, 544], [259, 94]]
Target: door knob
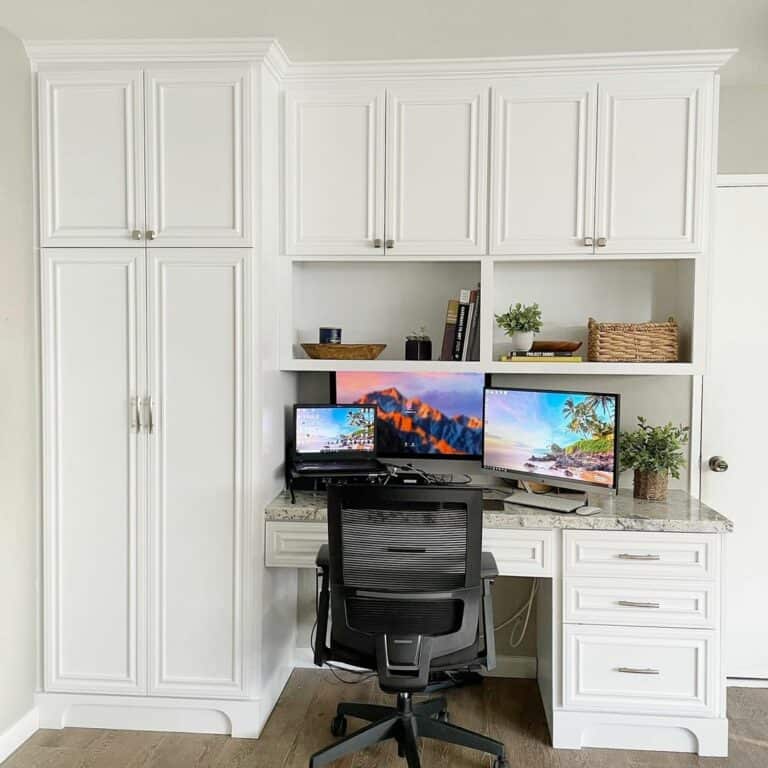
[[151, 234], [589, 241], [378, 242], [602, 242], [718, 464], [390, 244], [136, 234]]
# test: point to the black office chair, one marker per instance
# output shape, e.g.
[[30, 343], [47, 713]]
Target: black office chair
[[409, 593]]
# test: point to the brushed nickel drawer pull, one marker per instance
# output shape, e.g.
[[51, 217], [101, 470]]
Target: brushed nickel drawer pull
[[629, 556], [638, 671], [638, 604]]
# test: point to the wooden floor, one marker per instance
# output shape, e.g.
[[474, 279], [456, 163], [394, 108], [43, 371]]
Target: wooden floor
[[509, 710]]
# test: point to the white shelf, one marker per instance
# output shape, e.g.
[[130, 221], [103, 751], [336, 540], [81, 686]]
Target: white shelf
[[416, 366]]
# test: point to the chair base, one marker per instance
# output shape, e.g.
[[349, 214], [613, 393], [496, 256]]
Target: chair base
[[406, 723]]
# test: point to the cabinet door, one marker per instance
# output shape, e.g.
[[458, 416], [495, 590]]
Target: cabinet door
[[198, 373], [543, 166], [334, 171], [94, 515], [654, 162], [437, 155], [91, 130], [198, 155]]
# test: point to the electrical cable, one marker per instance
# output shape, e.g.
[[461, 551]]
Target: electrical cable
[[515, 618]]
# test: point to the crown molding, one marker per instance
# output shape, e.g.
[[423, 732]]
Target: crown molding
[[269, 51]]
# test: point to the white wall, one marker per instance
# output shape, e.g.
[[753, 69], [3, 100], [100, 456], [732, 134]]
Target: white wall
[[18, 404], [744, 129]]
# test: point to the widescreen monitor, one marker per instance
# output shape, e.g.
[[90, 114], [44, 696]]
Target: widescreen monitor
[[560, 438], [419, 415]]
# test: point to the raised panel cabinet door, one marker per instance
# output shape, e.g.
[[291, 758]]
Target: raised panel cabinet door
[[654, 166], [94, 515], [198, 155], [198, 377], [437, 157], [334, 171], [91, 149], [543, 166]]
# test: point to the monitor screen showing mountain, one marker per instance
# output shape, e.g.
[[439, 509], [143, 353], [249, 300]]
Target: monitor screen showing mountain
[[420, 414]]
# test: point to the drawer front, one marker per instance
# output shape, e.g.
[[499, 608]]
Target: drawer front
[[520, 552], [641, 602], [294, 545], [651, 670], [643, 555]]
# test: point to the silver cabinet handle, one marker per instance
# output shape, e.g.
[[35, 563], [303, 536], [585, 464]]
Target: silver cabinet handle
[[638, 671], [628, 556], [378, 243], [390, 243], [136, 234], [638, 604], [589, 241], [602, 242], [133, 414], [718, 464], [145, 415], [150, 416], [151, 234]]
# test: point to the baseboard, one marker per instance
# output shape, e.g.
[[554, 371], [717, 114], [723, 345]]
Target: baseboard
[[746, 682], [506, 666], [12, 738]]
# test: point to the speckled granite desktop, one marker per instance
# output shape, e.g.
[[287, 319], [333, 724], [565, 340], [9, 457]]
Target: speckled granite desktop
[[680, 513]]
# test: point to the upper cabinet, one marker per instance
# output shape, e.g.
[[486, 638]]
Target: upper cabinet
[[437, 139], [91, 157], [132, 154], [543, 165], [616, 165], [654, 169], [334, 170], [421, 192]]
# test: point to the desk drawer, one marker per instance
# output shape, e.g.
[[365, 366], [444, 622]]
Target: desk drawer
[[641, 602], [651, 670], [520, 552], [643, 555], [293, 545]]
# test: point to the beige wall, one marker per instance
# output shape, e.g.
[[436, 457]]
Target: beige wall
[[18, 421], [744, 129]]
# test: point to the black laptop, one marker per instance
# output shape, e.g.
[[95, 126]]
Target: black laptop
[[335, 439]]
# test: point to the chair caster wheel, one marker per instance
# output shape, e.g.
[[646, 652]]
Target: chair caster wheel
[[443, 717], [501, 762], [339, 726]]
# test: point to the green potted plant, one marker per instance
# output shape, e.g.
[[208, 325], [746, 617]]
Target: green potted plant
[[654, 453], [520, 322]]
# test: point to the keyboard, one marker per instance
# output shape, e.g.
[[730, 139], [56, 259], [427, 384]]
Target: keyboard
[[357, 467], [545, 501]]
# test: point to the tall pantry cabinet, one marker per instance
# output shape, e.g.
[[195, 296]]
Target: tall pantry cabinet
[[150, 189]]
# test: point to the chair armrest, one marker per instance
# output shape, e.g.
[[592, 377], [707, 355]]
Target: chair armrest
[[323, 559], [488, 567]]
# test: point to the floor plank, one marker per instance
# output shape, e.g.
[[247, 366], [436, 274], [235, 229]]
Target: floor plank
[[508, 710]]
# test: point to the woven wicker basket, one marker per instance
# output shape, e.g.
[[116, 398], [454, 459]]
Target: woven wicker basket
[[650, 485], [632, 342]]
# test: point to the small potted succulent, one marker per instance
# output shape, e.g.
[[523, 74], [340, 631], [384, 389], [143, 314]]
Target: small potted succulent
[[654, 453], [520, 322]]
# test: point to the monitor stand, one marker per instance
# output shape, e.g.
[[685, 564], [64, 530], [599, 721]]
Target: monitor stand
[[546, 501]]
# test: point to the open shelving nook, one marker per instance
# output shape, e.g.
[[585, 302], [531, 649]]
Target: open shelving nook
[[382, 301]]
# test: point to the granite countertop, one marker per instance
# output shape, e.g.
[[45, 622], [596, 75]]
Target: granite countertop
[[680, 513]]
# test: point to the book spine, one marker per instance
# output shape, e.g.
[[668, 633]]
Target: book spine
[[540, 354], [474, 342], [468, 332], [449, 334], [461, 327]]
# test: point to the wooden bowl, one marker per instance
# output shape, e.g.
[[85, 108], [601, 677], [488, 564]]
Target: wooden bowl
[[555, 346], [343, 351]]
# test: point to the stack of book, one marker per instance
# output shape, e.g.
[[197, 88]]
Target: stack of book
[[541, 357], [461, 339]]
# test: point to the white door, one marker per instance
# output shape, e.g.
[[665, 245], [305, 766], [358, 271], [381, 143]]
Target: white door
[[93, 371], [91, 158], [198, 155], [334, 171], [734, 417], [654, 162], [543, 166], [198, 374], [437, 155]]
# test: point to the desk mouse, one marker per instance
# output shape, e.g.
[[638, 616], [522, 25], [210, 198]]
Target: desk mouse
[[588, 510]]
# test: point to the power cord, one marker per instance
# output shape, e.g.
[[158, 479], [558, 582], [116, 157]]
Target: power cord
[[520, 618]]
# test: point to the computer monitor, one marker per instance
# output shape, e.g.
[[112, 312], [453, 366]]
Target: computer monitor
[[334, 432], [561, 438], [419, 415]]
